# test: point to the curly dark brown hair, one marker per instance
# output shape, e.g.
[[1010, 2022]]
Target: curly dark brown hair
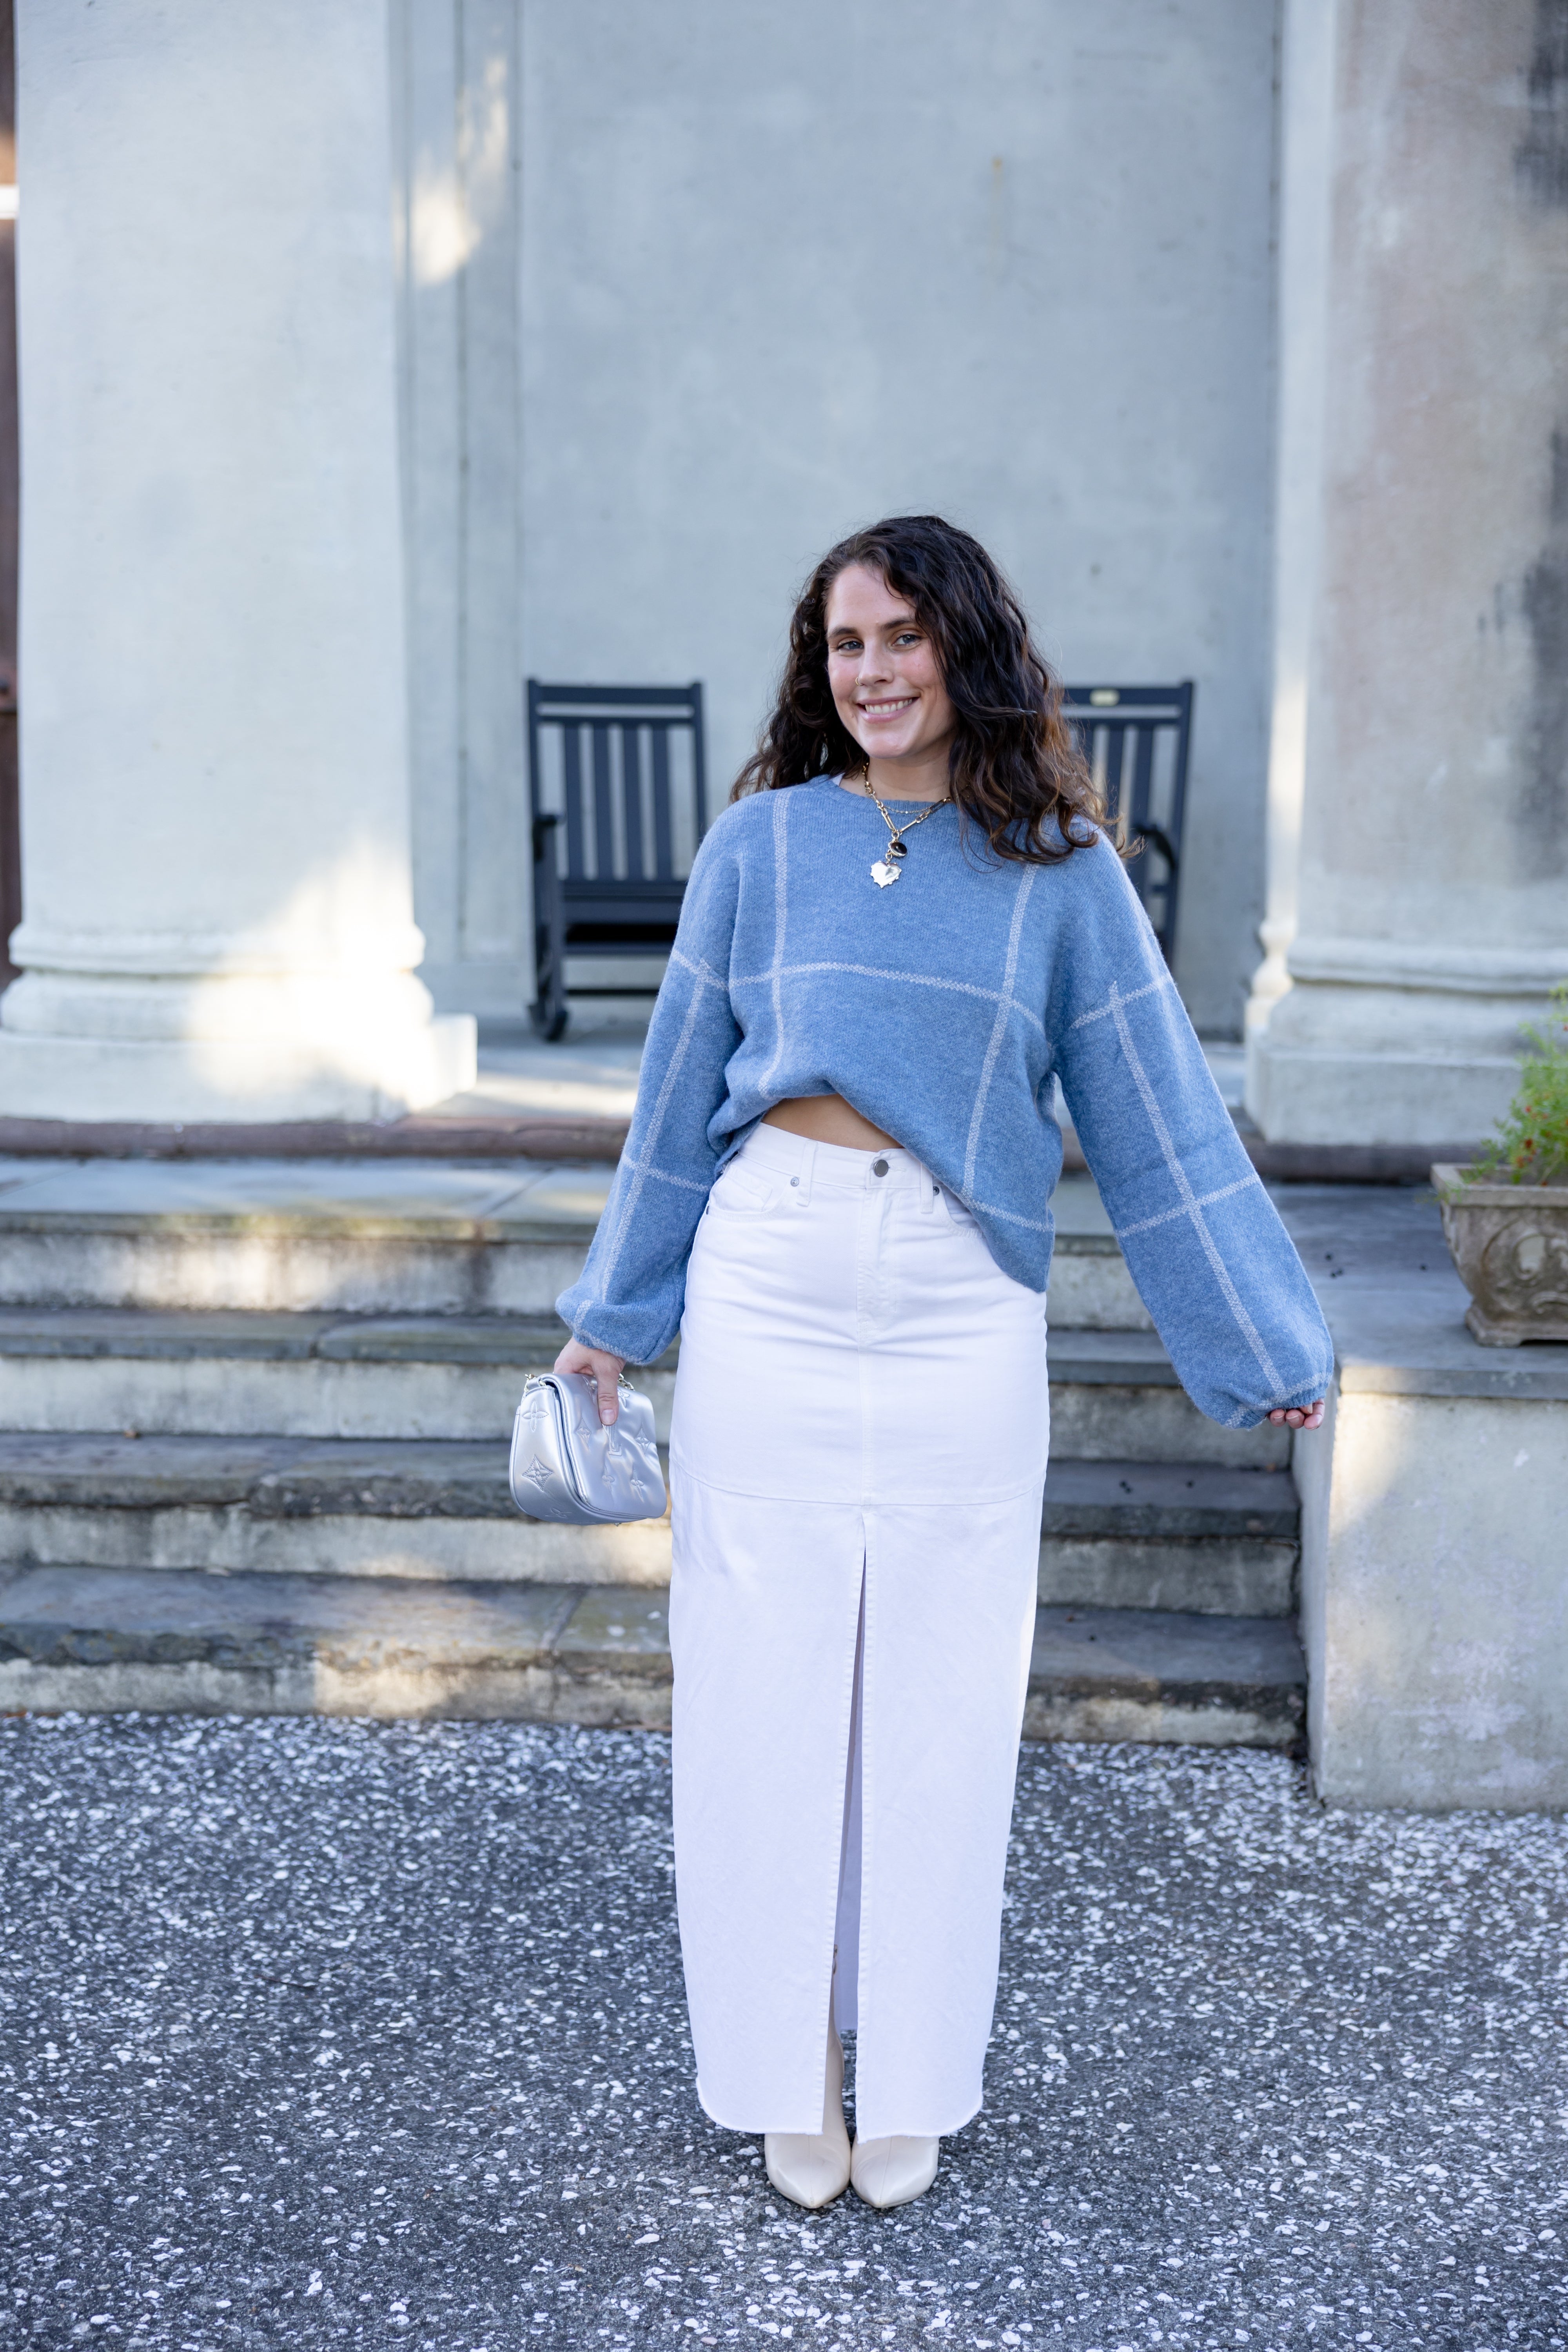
[[1015, 768]]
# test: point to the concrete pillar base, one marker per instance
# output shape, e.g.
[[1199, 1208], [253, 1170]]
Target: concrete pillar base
[[303, 1049], [1375, 1043], [1341, 1098]]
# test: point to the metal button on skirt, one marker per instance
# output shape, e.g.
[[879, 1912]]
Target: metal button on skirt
[[857, 1455]]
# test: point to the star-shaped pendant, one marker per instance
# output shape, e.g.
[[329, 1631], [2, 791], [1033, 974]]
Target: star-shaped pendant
[[882, 873]]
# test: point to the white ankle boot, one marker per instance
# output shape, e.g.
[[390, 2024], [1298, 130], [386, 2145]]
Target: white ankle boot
[[892, 2171], [812, 2169]]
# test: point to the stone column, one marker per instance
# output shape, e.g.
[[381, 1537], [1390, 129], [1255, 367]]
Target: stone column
[[456, 73], [1418, 789], [218, 911]]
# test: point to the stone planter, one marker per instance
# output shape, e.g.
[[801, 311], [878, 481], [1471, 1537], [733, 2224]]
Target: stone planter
[[1509, 1243]]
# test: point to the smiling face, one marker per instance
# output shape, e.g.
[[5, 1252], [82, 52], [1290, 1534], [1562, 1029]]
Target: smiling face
[[885, 678]]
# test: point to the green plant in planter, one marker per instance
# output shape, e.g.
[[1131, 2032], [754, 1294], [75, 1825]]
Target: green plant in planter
[[1530, 1145]]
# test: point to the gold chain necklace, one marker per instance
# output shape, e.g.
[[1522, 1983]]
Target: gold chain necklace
[[884, 871]]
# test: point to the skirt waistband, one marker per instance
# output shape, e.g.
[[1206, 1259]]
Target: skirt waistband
[[833, 1167]]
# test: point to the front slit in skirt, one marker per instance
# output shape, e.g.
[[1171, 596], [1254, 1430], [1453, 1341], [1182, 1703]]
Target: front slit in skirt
[[857, 1460]]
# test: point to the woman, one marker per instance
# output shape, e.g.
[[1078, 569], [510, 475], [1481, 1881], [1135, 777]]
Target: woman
[[906, 926]]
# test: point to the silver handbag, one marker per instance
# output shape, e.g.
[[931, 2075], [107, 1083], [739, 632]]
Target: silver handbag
[[566, 1464]]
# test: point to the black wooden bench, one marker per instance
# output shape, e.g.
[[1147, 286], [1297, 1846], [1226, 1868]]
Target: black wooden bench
[[613, 825], [1136, 737], [615, 822]]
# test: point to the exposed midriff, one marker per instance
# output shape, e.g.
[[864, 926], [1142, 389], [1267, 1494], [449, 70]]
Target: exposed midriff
[[828, 1118]]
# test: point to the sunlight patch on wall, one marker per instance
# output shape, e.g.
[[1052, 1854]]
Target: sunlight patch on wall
[[451, 203]]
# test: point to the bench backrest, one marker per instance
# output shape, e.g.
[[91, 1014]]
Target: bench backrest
[[1136, 739], [625, 808]]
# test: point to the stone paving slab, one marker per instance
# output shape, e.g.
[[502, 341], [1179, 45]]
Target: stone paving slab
[[343, 1191], [1394, 1302], [345, 2036], [591, 1073]]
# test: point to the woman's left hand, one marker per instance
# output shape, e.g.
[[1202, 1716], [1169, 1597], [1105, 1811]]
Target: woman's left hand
[[1301, 1416]]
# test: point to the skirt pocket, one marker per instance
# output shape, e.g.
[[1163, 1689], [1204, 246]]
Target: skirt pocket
[[740, 1190]]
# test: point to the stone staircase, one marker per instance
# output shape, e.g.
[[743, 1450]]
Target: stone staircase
[[253, 1436]]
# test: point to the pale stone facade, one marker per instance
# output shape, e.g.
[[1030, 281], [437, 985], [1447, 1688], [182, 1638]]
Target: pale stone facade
[[1420, 790], [756, 312], [453, 340], [218, 880]]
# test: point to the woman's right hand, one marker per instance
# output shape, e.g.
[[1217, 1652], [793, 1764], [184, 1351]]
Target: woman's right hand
[[603, 1369]]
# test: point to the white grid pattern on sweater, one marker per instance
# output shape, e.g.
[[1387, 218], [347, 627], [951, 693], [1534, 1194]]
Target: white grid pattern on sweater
[[701, 972], [1011, 1217], [1178, 1175], [643, 1168], [1107, 1011], [875, 972], [781, 912], [999, 1027], [1201, 1201]]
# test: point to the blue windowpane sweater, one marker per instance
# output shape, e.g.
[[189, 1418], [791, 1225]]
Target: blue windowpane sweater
[[941, 1008]]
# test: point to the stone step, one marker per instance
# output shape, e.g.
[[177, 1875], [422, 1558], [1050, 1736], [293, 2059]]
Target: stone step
[[1164, 1677], [223, 1372], [1191, 1537], [104, 1639], [183, 1373], [1115, 1397], [377, 1237], [431, 1510], [355, 1237], [1197, 1537]]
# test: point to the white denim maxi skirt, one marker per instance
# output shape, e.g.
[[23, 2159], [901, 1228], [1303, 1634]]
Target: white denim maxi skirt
[[858, 1456]]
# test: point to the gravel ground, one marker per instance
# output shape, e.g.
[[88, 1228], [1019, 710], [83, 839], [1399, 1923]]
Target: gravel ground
[[338, 2034]]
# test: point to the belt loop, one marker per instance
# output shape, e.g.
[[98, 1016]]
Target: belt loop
[[928, 1188], [800, 1182]]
